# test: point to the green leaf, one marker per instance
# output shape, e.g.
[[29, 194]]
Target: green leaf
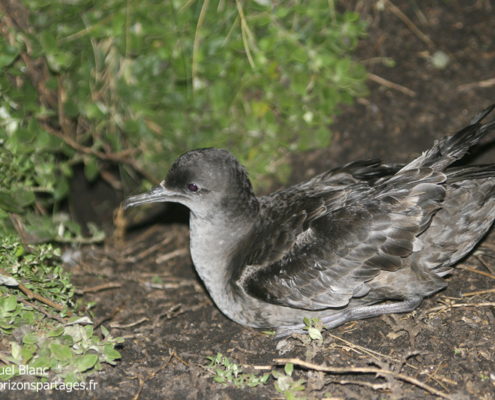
[[289, 368], [24, 197], [16, 351], [110, 352], [89, 330], [104, 331], [61, 189], [42, 362], [66, 340], [289, 396], [30, 338], [71, 379], [26, 355], [56, 332], [8, 54], [83, 363], [314, 334], [8, 203], [91, 169], [48, 41], [45, 353], [10, 304], [8, 372], [71, 108], [61, 352]]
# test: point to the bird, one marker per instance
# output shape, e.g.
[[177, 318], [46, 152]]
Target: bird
[[355, 242]]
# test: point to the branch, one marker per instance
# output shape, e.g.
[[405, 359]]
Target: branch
[[362, 370]]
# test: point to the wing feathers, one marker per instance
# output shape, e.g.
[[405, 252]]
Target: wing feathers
[[337, 250]]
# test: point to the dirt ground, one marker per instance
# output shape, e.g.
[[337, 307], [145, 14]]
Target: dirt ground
[[169, 322]]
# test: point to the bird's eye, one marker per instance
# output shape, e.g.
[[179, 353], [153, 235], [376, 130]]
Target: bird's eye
[[192, 187]]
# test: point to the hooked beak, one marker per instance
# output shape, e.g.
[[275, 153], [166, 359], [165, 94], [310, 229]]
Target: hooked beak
[[155, 195]]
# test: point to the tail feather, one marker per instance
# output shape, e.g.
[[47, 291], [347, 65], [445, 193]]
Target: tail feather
[[460, 174], [454, 147]]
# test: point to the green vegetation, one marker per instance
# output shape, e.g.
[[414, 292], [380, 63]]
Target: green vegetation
[[131, 85], [286, 384], [223, 371], [59, 350], [136, 83], [314, 328]]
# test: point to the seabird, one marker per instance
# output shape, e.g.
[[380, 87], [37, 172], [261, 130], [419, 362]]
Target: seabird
[[355, 242]]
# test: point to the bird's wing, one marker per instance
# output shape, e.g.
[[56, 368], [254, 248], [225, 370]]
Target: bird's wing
[[364, 171], [467, 213], [285, 218], [454, 147], [335, 253], [296, 207]]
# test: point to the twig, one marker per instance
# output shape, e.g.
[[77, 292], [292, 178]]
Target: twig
[[5, 359], [374, 386], [32, 295], [227, 38], [42, 310], [391, 85], [148, 251], [376, 355], [139, 321], [476, 271], [173, 312], [141, 385], [196, 40], [123, 156], [480, 292], [185, 7], [99, 288], [441, 308], [173, 254], [370, 352], [480, 84], [244, 29], [362, 370], [439, 366], [409, 23], [139, 239], [61, 113], [489, 268], [86, 30], [180, 359], [19, 228]]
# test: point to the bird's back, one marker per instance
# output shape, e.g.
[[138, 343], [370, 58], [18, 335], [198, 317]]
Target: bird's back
[[368, 232]]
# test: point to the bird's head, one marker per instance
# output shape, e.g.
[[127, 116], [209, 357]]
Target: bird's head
[[207, 181]]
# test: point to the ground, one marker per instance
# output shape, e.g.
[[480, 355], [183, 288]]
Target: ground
[[170, 324]]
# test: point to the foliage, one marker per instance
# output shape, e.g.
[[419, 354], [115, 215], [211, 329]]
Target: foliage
[[37, 270], [65, 352], [286, 384], [314, 328], [30, 169], [258, 77], [223, 371]]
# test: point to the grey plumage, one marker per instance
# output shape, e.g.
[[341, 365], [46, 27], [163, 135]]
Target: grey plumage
[[337, 246]]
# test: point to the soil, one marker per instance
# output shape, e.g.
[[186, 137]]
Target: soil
[[171, 325]]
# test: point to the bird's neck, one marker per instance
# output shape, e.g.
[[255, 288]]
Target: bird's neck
[[212, 245]]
